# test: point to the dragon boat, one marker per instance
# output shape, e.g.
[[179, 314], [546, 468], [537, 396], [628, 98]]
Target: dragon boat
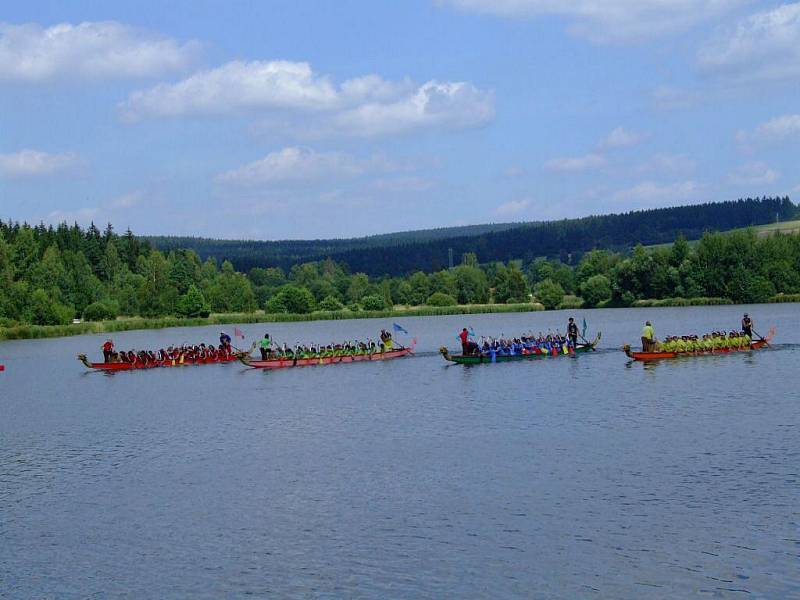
[[484, 358], [288, 361], [124, 366], [660, 355]]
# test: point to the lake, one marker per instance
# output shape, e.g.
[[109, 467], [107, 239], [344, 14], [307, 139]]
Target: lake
[[586, 477]]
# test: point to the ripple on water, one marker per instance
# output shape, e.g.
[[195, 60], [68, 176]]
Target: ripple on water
[[569, 478]]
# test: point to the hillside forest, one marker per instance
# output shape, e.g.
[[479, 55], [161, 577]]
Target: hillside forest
[[51, 275]]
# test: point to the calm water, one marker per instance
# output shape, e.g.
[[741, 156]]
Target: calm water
[[569, 478]]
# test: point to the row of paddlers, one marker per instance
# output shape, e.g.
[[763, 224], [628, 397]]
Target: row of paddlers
[[284, 361]]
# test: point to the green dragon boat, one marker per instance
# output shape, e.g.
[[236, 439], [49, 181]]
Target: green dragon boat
[[479, 359]]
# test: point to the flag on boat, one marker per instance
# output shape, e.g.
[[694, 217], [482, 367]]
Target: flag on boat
[[472, 332], [583, 333], [238, 332], [397, 327]]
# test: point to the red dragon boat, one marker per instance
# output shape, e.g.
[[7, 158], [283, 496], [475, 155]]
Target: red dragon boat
[[123, 366], [651, 356], [286, 362]]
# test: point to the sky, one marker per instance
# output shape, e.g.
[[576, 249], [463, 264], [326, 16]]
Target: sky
[[339, 118]]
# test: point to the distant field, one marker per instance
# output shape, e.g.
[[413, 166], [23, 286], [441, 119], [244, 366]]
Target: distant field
[[785, 227], [761, 231]]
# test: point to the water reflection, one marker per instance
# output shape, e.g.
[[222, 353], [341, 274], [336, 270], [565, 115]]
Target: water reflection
[[409, 478]]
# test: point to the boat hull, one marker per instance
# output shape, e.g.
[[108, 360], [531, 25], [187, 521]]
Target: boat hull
[[285, 363], [481, 359], [654, 356], [121, 366]]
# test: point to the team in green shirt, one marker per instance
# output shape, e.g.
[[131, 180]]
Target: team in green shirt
[[321, 351], [710, 342]]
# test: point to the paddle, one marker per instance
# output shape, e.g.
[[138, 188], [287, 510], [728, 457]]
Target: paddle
[[762, 338]]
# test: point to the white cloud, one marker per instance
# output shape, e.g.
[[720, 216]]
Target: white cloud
[[666, 97], [669, 163], [237, 87], [609, 20], [764, 46], [447, 105], [513, 207], [755, 173], [81, 215], [775, 130], [515, 171], [301, 165], [403, 184], [292, 99], [617, 139], [127, 201], [112, 210], [33, 163], [652, 193], [621, 138], [100, 50], [573, 164]]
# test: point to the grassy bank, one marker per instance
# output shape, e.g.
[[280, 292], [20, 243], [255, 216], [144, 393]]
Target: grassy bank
[[784, 298], [702, 301], [23, 331]]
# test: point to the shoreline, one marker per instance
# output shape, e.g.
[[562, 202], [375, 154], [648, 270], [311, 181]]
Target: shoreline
[[25, 332]]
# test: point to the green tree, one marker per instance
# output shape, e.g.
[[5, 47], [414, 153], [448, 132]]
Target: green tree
[[331, 303], [420, 288], [679, 252], [444, 282], [272, 276], [441, 299], [111, 263], [184, 270], [596, 289], [373, 302], [402, 293], [192, 303], [549, 293], [358, 288], [472, 286], [46, 311], [292, 299], [101, 311], [50, 274], [24, 252], [510, 286], [595, 262]]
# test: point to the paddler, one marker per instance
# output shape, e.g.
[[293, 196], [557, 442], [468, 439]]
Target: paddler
[[747, 325], [648, 337], [464, 336], [572, 332], [108, 350], [265, 348], [224, 339]]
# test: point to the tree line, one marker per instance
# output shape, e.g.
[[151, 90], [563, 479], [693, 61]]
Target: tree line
[[403, 253], [51, 275]]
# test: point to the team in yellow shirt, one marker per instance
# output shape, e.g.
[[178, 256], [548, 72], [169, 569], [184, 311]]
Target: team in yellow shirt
[[711, 342]]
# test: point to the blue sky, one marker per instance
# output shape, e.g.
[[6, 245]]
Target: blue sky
[[273, 120]]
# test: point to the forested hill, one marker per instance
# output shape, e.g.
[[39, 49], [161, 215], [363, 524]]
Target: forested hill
[[402, 253]]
